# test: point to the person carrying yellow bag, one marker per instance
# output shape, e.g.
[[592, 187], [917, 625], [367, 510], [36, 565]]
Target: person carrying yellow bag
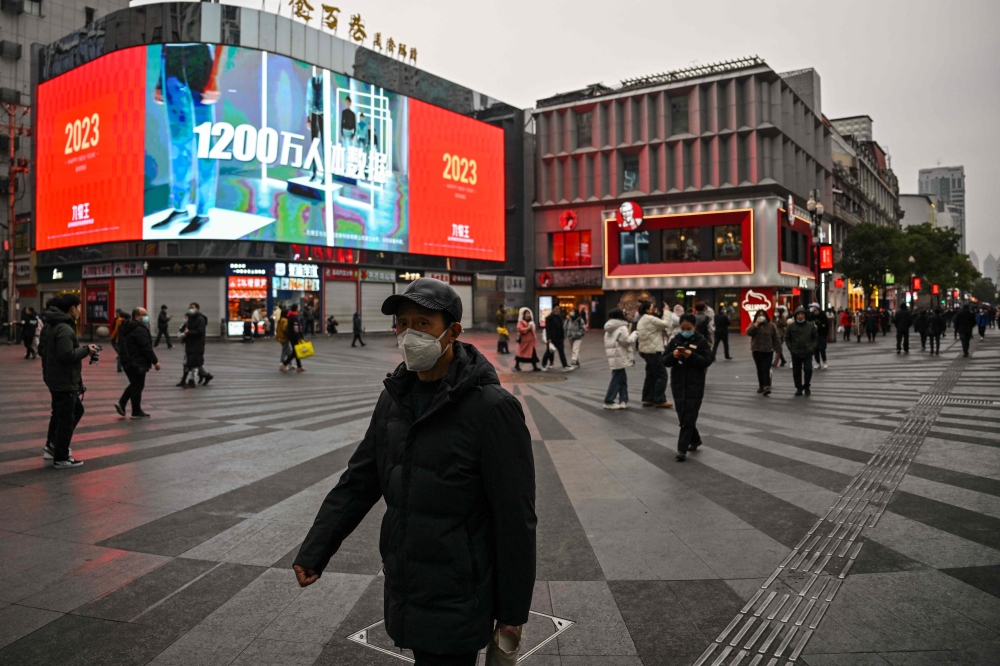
[[294, 333]]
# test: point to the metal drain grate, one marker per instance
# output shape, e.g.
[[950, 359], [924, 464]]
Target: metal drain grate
[[970, 401]]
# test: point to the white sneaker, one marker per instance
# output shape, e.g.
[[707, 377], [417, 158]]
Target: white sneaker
[[622, 405], [825, 366], [48, 451], [610, 405], [569, 368]]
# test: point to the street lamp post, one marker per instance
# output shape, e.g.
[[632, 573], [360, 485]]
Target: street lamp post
[[816, 214]]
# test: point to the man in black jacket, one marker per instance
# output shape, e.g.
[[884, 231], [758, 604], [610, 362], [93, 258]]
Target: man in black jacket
[[965, 321], [194, 346], [62, 371], [722, 324], [555, 334], [903, 321], [689, 354], [162, 327], [448, 449], [135, 347]]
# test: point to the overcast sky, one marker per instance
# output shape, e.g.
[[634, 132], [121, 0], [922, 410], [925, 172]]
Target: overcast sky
[[927, 72]]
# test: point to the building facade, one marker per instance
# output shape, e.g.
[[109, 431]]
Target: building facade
[[683, 187], [949, 184], [255, 228]]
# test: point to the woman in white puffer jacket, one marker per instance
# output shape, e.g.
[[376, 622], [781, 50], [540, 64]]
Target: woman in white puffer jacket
[[618, 345]]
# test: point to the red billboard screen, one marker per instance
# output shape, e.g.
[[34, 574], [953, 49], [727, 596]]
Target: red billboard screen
[[826, 257]]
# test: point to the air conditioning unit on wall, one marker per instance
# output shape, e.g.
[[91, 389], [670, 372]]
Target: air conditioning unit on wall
[[10, 50], [10, 96], [12, 6]]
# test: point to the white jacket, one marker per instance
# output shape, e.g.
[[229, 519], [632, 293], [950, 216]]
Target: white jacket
[[651, 331], [618, 344]]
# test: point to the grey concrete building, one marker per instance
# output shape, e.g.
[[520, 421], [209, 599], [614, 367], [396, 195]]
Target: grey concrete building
[[974, 259], [949, 184], [990, 266]]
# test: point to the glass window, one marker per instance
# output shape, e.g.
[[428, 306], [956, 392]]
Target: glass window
[[570, 248], [33, 7], [584, 137], [630, 172], [634, 247], [728, 241], [682, 244], [557, 245]]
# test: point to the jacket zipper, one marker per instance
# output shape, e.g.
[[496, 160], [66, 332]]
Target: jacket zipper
[[475, 565]]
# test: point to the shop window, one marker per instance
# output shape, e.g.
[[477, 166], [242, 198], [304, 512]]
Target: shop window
[[728, 241], [633, 247], [794, 247], [630, 172], [683, 244], [570, 248], [33, 7], [584, 136]]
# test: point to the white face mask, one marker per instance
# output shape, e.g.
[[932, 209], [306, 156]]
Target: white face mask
[[420, 350]]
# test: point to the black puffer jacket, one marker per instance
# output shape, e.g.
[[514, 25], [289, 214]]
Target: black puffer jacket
[[61, 353], [687, 381], [194, 340], [965, 321], [458, 536], [135, 346]]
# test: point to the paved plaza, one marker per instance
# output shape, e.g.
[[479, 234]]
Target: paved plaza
[[860, 526]]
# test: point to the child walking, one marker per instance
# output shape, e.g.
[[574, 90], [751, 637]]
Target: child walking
[[618, 345]]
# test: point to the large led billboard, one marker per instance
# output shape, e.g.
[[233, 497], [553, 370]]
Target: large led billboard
[[207, 141]]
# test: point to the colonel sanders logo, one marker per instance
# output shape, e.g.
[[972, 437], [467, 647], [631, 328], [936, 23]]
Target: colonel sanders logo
[[568, 220], [755, 302], [629, 216]]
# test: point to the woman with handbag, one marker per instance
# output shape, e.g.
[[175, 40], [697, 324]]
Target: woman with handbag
[[295, 334], [526, 341]]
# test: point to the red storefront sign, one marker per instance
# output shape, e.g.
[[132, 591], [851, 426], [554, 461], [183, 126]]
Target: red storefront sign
[[754, 300], [826, 257], [339, 273], [935, 289]]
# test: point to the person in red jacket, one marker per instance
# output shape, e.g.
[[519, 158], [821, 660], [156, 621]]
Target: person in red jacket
[[846, 321]]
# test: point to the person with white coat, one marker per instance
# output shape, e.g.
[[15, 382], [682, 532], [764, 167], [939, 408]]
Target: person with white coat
[[618, 345], [651, 329]]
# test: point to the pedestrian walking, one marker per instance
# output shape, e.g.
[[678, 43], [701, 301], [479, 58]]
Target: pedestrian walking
[[281, 336], [309, 319], [526, 352], [801, 339], [255, 320], [575, 330], [136, 350], [846, 324], [62, 371], [872, 323], [982, 321], [903, 321], [936, 326], [651, 349], [115, 325], [689, 355], [503, 335], [194, 346], [705, 319], [964, 323], [722, 324], [458, 535], [949, 321], [356, 327], [29, 324], [822, 324], [884, 320], [860, 317], [920, 326], [780, 323], [556, 335], [163, 327], [549, 355], [764, 342], [618, 346], [294, 334]]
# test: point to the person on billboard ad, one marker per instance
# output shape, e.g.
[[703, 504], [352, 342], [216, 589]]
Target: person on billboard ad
[[189, 88]]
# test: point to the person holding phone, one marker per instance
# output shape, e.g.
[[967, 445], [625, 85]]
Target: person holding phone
[[689, 354]]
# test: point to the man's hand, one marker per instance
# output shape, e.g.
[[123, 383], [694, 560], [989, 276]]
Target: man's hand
[[687, 352], [157, 366], [91, 350], [508, 629], [307, 577]]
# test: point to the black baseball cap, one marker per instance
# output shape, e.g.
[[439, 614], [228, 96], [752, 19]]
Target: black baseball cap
[[427, 293]]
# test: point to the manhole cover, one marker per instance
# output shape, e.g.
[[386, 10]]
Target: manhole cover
[[530, 377]]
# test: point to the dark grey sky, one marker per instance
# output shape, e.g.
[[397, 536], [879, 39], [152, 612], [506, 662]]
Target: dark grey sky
[[927, 71]]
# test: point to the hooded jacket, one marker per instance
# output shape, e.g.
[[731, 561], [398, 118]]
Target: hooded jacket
[[687, 381], [650, 331], [135, 346], [619, 343], [458, 535], [964, 321], [61, 353], [801, 338], [903, 320], [574, 326]]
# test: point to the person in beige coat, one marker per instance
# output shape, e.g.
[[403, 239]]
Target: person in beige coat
[[651, 329]]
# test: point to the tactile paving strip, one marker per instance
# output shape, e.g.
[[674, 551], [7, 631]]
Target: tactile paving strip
[[776, 625]]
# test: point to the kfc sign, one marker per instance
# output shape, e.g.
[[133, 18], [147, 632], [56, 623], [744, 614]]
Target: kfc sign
[[568, 220], [629, 216]]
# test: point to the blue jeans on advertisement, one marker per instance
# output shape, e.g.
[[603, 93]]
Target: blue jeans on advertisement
[[617, 388], [185, 111]]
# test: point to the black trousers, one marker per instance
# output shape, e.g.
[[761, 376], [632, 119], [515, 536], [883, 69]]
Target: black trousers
[[802, 371], [982, 330], [724, 340], [966, 338], [133, 392], [923, 339], [67, 410], [357, 338], [935, 339], [431, 659], [820, 353], [654, 386], [165, 334], [558, 344], [687, 414], [763, 362], [903, 339]]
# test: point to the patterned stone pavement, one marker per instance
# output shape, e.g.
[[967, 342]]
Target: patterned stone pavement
[[859, 526]]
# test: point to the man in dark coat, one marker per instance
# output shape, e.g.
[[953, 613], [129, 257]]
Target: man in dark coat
[[555, 334], [722, 324], [162, 326], [194, 346], [357, 330], [920, 326], [448, 450], [62, 371], [295, 330], [135, 347], [801, 339], [689, 354], [936, 325], [29, 324], [903, 321], [964, 322], [822, 324]]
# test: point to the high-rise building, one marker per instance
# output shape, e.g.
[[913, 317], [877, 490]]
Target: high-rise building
[[949, 184], [974, 259], [990, 267]]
